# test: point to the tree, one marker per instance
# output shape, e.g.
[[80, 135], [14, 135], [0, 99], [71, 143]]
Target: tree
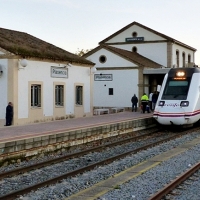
[[82, 52]]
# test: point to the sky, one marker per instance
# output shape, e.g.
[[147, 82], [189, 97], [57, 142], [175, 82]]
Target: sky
[[81, 24]]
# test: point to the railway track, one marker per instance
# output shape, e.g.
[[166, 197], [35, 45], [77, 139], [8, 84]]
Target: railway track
[[101, 147], [56, 179], [168, 189]]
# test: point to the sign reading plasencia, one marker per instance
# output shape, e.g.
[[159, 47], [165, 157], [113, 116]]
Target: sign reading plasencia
[[58, 72], [135, 39], [103, 77]]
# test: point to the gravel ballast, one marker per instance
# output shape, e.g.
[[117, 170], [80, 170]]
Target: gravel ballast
[[139, 188]]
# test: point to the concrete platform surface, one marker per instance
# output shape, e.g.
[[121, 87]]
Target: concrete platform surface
[[12, 133]]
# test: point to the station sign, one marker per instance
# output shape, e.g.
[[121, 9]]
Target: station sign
[[135, 39], [59, 72], [103, 77]]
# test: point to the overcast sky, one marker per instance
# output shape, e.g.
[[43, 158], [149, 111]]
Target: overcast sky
[[82, 24]]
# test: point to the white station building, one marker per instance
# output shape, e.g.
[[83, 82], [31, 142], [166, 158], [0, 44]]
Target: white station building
[[43, 82], [134, 60]]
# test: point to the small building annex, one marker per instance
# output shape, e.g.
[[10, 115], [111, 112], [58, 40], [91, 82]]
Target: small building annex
[[44, 82], [134, 60]]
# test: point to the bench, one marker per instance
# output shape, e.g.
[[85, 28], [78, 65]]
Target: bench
[[117, 109], [101, 111]]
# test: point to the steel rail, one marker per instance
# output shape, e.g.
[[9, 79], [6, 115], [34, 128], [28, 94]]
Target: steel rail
[[169, 187], [69, 156], [54, 180]]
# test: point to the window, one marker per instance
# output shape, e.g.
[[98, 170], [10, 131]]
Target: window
[[102, 59], [79, 95], [36, 95], [134, 49], [189, 58], [177, 58], [183, 55], [59, 95], [110, 91], [176, 89], [134, 34]]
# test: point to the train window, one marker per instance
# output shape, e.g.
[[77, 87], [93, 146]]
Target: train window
[[178, 83], [176, 89]]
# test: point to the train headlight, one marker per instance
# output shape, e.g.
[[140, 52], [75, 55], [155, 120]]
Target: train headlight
[[161, 103], [184, 103], [180, 73]]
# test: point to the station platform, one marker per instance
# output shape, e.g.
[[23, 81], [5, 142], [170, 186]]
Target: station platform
[[64, 133]]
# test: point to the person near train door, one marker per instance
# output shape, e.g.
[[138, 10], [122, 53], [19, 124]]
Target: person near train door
[[134, 101], [154, 99], [144, 101], [150, 100], [9, 114]]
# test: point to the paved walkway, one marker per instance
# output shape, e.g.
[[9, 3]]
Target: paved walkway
[[11, 133]]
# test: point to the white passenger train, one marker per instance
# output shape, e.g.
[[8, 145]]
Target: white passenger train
[[179, 98]]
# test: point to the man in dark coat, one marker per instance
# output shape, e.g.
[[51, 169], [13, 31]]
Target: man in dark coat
[[9, 114], [134, 101]]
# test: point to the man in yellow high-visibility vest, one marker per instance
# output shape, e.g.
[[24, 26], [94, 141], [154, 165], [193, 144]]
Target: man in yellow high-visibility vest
[[144, 100]]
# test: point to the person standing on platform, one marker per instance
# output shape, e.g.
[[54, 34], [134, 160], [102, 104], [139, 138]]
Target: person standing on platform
[[150, 100], [9, 114], [134, 101], [144, 100]]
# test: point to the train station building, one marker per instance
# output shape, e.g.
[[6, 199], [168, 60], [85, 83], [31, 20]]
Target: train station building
[[44, 82], [134, 60]]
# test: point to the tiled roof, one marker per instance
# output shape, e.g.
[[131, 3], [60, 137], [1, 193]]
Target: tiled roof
[[133, 57], [128, 55], [25, 45]]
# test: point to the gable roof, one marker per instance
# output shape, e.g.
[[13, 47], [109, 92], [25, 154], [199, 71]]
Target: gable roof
[[25, 45], [133, 57], [128, 55], [149, 29]]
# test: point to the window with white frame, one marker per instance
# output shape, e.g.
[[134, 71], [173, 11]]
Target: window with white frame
[[79, 95], [36, 95], [59, 95]]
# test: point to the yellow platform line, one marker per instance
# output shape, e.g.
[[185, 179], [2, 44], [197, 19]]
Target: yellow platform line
[[118, 179], [130, 173]]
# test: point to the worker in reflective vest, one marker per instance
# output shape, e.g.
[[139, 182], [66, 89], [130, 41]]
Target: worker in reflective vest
[[144, 100]]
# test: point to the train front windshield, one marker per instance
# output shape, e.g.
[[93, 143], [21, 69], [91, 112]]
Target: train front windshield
[[176, 89]]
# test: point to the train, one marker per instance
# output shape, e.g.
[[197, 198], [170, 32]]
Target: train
[[178, 102]]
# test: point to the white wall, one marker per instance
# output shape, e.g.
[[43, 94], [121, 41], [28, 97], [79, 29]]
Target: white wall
[[181, 50], [112, 60], [41, 71], [3, 87], [124, 85], [154, 51], [148, 36], [124, 82], [81, 75]]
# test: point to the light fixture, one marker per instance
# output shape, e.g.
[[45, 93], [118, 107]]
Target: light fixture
[[23, 63], [93, 70]]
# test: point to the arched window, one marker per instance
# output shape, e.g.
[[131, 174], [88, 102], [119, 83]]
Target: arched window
[[183, 58], [134, 49], [177, 58], [189, 58]]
